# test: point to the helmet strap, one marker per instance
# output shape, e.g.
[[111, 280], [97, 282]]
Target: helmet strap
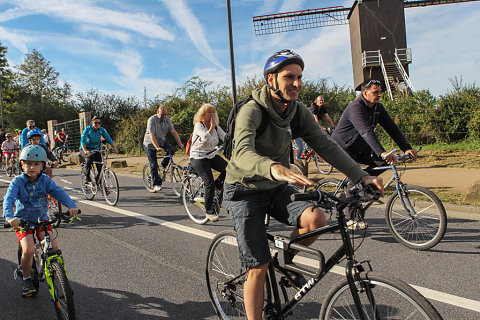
[[277, 91]]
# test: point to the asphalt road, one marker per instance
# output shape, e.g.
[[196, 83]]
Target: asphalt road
[[144, 259]]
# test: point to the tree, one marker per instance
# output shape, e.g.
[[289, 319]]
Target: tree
[[36, 76]]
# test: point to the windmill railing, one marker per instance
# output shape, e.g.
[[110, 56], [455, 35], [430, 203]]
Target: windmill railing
[[385, 76], [404, 55], [404, 74], [371, 58]]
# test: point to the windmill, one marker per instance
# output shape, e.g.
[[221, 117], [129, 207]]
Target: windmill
[[377, 36]]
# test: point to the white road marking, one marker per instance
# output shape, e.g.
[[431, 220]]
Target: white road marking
[[428, 293], [66, 181]]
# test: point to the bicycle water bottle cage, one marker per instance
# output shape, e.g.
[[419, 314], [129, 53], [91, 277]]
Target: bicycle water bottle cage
[[283, 244]]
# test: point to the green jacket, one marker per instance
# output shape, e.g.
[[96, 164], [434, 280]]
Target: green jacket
[[252, 157]]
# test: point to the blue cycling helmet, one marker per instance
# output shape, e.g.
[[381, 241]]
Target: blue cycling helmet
[[281, 59], [33, 153], [34, 132]]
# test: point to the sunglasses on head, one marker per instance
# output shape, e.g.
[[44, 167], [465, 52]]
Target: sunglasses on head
[[373, 82]]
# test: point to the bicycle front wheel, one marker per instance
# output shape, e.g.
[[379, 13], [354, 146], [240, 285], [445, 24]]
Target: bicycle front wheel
[[147, 178], [193, 196], [110, 187], [225, 277], [54, 211], [381, 297], [63, 294], [176, 179], [89, 189], [322, 165], [421, 223], [331, 185]]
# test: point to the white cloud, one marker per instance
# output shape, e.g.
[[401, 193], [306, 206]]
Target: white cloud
[[82, 12], [107, 33], [189, 22]]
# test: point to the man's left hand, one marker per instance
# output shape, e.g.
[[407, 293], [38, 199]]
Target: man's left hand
[[413, 153]]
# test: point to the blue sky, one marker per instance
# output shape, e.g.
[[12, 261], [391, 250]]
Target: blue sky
[[124, 46]]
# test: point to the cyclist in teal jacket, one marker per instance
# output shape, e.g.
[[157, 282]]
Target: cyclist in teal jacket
[[90, 141]]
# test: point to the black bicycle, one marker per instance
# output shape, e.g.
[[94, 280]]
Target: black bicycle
[[363, 294], [48, 265]]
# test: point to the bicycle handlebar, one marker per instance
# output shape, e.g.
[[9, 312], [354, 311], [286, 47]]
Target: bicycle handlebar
[[360, 192], [40, 223]]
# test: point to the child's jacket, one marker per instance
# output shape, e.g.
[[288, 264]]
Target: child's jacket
[[31, 200]]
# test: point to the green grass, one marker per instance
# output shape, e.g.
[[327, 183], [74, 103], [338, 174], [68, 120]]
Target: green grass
[[458, 146]]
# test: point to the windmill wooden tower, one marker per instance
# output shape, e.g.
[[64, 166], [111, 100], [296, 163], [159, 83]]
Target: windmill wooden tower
[[377, 36]]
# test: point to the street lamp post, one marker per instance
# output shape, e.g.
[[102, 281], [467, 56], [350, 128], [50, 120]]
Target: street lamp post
[[1, 98], [232, 59]]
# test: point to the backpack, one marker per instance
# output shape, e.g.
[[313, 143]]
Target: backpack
[[228, 140], [188, 146]]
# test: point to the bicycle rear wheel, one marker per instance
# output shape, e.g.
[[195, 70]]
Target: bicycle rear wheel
[[89, 189], [225, 277], [424, 226], [297, 169], [147, 178], [390, 299], [176, 179], [110, 187], [322, 165], [63, 294], [193, 196]]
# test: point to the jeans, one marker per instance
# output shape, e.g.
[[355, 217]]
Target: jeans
[[97, 157], [368, 157], [299, 143], [204, 169], [152, 160]]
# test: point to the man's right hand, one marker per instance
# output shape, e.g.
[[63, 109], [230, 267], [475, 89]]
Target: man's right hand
[[160, 149], [88, 153], [281, 173], [391, 159], [377, 182]]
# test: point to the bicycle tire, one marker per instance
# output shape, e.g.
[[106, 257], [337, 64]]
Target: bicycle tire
[[110, 187], [225, 277], [392, 299], [34, 272], [193, 197], [63, 294], [322, 166], [147, 178], [424, 231], [89, 190], [55, 211], [296, 168], [329, 185], [176, 179]]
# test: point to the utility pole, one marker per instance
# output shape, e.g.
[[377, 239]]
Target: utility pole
[[1, 98], [232, 59]]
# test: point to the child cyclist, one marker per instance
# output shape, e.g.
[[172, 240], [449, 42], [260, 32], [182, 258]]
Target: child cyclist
[[28, 194], [34, 138], [8, 148]]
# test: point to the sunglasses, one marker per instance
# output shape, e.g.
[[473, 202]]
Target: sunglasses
[[97, 122], [373, 82]]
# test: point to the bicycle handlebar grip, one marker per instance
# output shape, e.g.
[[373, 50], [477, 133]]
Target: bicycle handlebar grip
[[311, 195]]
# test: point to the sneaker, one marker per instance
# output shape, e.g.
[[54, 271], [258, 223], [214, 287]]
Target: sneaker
[[28, 288], [357, 225], [157, 188], [212, 217], [296, 279]]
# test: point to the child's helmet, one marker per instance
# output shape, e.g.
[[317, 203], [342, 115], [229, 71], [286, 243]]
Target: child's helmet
[[33, 153], [34, 132]]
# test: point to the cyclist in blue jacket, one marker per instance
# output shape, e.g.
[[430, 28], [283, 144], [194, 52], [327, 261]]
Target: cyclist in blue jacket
[[26, 199], [90, 141]]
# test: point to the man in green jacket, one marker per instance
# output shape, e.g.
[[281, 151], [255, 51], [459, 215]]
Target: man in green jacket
[[258, 172]]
